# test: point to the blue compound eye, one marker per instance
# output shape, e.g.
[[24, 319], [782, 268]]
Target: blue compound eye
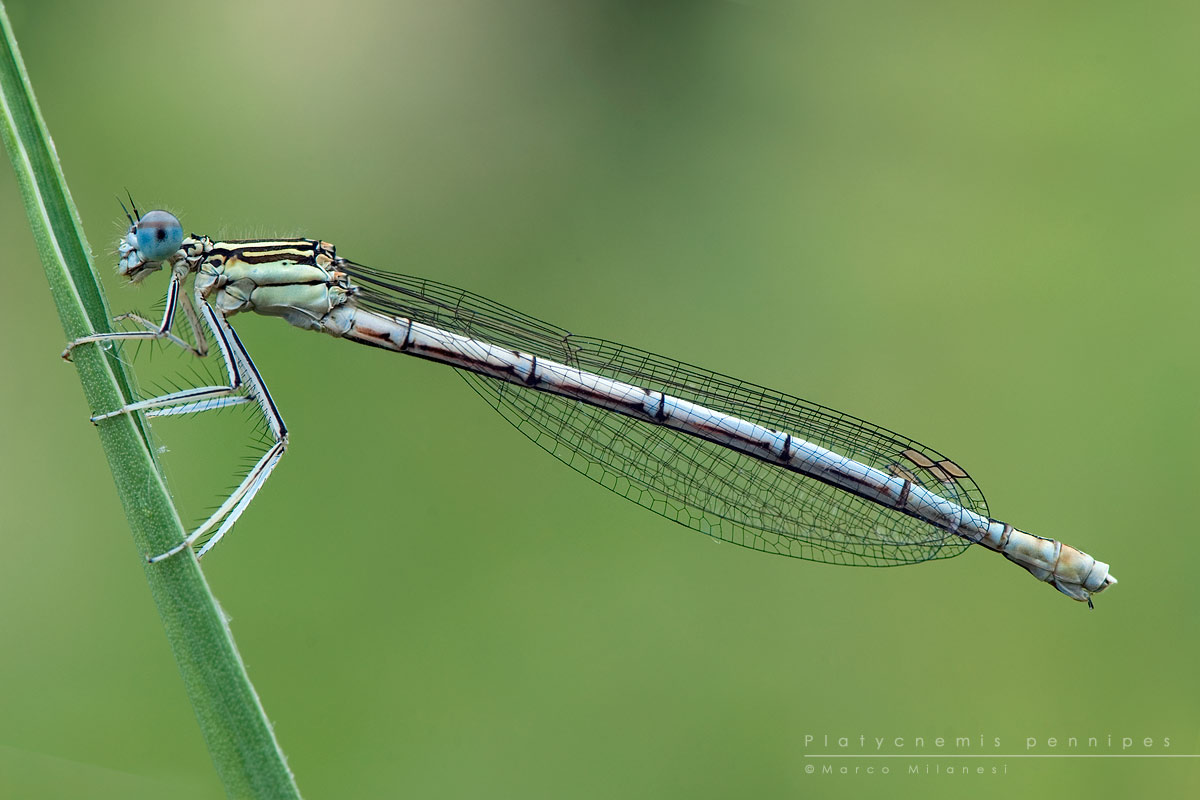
[[159, 235]]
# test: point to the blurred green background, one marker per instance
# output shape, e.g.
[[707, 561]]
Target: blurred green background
[[973, 225]]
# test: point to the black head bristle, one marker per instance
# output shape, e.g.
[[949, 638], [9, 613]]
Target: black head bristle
[[136, 213], [132, 221]]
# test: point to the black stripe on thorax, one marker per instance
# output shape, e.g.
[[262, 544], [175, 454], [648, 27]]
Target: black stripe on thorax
[[265, 251]]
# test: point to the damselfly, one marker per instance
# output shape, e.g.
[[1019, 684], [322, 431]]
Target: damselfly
[[736, 461]]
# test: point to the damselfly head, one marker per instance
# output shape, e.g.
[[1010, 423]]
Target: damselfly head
[[150, 241]]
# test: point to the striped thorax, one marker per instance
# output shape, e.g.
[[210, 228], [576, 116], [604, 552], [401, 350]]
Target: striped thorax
[[297, 279]]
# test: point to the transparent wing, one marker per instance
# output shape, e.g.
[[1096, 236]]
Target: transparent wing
[[707, 487]]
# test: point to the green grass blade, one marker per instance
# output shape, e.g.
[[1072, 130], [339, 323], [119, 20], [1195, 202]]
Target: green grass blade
[[235, 727]]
